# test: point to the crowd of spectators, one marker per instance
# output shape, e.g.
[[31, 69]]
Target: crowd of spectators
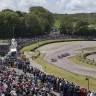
[[13, 83], [26, 41], [22, 42], [36, 82]]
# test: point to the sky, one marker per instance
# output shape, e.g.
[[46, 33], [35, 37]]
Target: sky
[[55, 6]]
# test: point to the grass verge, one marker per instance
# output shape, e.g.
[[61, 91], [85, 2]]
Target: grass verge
[[74, 59], [54, 70], [79, 59], [35, 53]]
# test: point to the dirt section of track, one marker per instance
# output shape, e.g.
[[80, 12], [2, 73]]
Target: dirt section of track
[[55, 49]]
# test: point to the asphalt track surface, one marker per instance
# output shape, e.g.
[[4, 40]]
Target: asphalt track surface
[[55, 49], [32, 63]]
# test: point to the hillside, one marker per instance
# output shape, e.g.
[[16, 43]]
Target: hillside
[[89, 17]]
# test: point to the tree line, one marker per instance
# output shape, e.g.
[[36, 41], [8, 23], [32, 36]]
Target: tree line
[[20, 24], [39, 20], [90, 17], [72, 25]]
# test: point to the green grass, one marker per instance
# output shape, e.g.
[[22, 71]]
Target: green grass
[[34, 46], [57, 23], [54, 70], [94, 24], [34, 54], [81, 62], [1, 41], [74, 24]]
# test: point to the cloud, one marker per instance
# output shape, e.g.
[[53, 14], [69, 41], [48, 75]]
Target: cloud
[[74, 6], [56, 6], [22, 5], [26, 4], [5, 4]]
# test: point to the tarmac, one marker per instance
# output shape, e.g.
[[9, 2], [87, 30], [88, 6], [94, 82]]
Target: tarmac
[[55, 49]]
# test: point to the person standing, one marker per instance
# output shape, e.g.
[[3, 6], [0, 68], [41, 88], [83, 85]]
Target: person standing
[[36, 79]]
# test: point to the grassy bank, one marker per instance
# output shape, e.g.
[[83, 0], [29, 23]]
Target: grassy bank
[[82, 60], [72, 77], [76, 61], [35, 53]]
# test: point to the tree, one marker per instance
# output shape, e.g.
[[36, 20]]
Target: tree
[[47, 17], [66, 26], [80, 24], [81, 28], [9, 18], [21, 14], [34, 24], [82, 31], [21, 30]]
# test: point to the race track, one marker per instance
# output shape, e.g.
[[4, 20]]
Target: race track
[[55, 49]]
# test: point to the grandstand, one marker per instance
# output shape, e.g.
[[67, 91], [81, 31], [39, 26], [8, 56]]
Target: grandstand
[[4, 48]]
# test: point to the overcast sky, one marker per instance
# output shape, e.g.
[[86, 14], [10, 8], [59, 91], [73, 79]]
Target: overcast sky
[[55, 6]]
